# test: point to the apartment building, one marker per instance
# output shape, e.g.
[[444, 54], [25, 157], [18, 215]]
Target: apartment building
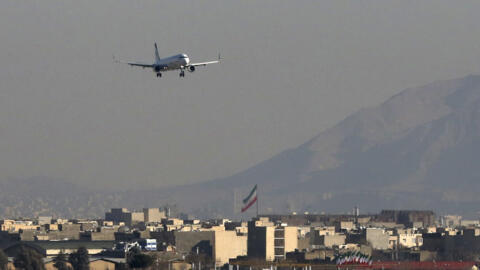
[[122, 215], [221, 245], [271, 242], [153, 214]]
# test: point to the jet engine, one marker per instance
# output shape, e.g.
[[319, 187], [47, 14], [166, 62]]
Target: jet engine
[[191, 68], [157, 68]]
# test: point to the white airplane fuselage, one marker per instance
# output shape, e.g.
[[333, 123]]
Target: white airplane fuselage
[[175, 62], [178, 61]]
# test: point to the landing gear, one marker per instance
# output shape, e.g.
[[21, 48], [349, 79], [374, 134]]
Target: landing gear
[[182, 73], [159, 74]]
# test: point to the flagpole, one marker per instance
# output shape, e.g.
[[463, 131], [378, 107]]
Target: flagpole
[[257, 204]]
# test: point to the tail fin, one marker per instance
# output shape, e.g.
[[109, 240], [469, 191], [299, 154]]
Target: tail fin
[[157, 57]]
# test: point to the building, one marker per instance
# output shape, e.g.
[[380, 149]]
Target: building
[[326, 240], [344, 226], [451, 221], [220, 245], [15, 226], [378, 238], [228, 245], [469, 223], [53, 248], [410, 240], [122, 215], [408, 217], [270, 242], [463, 246], [325, 230], [153, 215], [42, 220], [104, 235]]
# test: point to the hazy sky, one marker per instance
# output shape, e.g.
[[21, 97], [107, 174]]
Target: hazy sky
[[291, 70]]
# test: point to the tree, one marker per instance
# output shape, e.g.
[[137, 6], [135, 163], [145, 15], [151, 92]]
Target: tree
[[79, 259], [136, 259], [61, 261], [28, 259], [3, 260]]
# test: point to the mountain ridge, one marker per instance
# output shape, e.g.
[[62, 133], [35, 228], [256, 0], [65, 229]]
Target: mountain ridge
[[415, 150], [395, 150]]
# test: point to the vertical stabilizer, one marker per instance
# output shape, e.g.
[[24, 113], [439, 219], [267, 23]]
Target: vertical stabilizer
[[157, 58]]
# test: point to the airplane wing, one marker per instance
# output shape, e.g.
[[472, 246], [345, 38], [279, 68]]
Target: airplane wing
[[203, 63], [136, 64], [143, 65]]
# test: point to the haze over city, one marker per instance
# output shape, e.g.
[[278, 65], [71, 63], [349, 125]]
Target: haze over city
[[329, 135], [291, 69]]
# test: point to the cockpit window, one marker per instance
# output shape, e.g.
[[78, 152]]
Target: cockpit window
[[183, 56]]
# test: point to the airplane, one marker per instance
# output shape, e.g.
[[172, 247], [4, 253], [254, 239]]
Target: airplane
[[179, 61]]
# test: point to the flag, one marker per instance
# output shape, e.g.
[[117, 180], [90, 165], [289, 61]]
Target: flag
[[353, 258], [250, 199]]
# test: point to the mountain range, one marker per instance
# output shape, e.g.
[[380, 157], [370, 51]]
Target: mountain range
[[417, 150]]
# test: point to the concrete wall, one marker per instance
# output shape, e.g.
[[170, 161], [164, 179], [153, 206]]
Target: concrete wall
[[62, 235], [153, 214], [102, 236], [189, 241], [327, 238], [28, 235], [332, 240], [70, 227], [137, 217], [303, 243], [291, 238], [269, 244], [220, 245], [49, 266], [378, 238], [102, 265], [229, 245]]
